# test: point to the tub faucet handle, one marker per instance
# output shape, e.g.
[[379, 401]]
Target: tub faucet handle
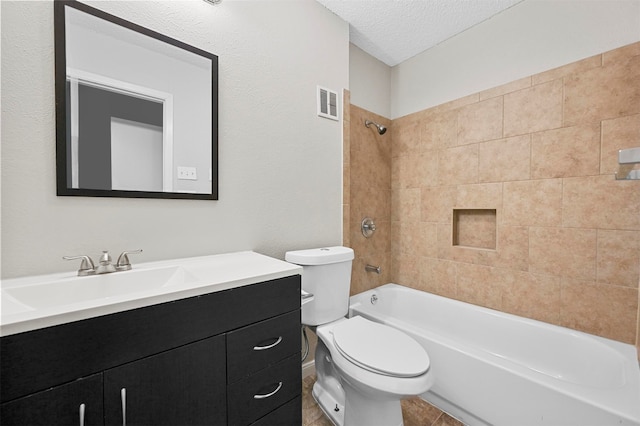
[[86, 267], [123, 263]]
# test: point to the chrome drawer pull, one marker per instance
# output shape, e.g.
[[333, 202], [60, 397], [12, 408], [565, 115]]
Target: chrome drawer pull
[[82, 409], [267, 395], [123, 401], [262, 348]]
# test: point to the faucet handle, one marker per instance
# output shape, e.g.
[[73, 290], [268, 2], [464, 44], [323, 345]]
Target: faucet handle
[[123, 263], [86, 267]]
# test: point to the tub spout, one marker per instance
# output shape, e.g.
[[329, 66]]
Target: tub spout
[[371, 268]]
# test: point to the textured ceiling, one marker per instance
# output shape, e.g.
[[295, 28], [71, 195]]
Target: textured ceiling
[[395, 30]]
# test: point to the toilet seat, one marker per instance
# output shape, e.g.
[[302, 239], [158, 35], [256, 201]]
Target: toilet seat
[[379, 348]]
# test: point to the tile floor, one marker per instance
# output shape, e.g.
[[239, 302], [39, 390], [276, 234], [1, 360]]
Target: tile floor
[[416, 412]]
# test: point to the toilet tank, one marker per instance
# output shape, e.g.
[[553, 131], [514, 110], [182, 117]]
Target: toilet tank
[[326, 273]]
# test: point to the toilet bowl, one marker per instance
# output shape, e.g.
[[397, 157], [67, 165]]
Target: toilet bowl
[[377, 366], [363, 368]]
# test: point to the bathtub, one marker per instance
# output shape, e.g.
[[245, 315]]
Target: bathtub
[[493, 368]]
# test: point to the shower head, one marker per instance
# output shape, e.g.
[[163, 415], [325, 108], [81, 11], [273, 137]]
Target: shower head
[[380, 127]]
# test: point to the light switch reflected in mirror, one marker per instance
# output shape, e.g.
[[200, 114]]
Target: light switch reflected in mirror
[[133, 108]]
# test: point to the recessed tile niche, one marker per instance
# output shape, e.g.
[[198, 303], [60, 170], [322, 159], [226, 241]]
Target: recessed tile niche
[[474, 228]]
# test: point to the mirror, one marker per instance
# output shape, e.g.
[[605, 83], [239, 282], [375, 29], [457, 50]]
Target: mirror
[[136, 111]]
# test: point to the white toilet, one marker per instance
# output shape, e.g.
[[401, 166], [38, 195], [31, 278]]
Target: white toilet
[[363, 368]]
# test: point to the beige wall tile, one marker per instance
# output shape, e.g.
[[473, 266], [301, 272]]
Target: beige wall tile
[[480, 122], [439, 130], [533, 296], [618, 133], [437, 203], [513, 86], [512, 249], [607, 311], [371, 167], [481, 285], [406, 270], [567, 252], [438, 276], [405, 205], [505, 159], [458, 165], [428, 244], [534, 109], [619, 257], [570, 151], [406, 139], [371, 202], [574, 67], [621, 54], [415, 171], [601, 202], [532, 202], [479, 196], [406, 238], [445, 241], [602, 93]]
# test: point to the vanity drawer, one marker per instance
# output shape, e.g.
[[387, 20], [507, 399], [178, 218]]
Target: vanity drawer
[[287, 415], [266, 390], [259, 345]]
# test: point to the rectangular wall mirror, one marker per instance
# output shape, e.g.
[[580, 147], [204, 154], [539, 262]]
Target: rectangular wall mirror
[[136, 111]]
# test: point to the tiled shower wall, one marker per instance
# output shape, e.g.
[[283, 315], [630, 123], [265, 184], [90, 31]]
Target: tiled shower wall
[[368, 169], [541, 152]]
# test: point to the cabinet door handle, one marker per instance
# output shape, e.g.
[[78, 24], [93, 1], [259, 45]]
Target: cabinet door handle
[[123, 399], [262, 348], [82, 408], [267, 395]]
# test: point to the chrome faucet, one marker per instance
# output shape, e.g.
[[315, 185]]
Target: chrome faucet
[[105, 265]]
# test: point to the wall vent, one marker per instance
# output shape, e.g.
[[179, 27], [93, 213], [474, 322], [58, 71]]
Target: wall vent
[[327, 103]]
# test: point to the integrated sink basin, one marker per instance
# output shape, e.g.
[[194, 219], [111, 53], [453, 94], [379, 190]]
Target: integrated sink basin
[[71, 290], [42, 301]]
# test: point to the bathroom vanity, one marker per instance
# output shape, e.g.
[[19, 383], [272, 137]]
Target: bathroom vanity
[[228, 353]]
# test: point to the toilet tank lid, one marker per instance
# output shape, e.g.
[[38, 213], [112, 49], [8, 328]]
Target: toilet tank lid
[[320, 256]]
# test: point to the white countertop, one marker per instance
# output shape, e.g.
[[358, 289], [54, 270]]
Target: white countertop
[[207, 274]]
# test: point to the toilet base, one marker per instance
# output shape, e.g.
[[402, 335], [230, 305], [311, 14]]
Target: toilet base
[[325, 401], [388, 413]]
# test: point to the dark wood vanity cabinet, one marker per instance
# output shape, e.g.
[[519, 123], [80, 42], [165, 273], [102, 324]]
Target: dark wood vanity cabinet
[[230, 357]]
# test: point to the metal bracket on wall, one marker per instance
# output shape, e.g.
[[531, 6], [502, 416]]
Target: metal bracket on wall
[[627, 159]]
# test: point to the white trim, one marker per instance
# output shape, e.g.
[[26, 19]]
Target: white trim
[[76, 76]]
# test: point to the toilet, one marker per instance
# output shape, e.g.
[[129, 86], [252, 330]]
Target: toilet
[[363, 368]]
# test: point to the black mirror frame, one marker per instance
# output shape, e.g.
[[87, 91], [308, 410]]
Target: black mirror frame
[[61, 107]]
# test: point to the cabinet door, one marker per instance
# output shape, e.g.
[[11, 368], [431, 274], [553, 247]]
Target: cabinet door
[[182, 386], [76, 403]]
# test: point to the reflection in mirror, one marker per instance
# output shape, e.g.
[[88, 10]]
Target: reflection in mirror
[[136, 110]]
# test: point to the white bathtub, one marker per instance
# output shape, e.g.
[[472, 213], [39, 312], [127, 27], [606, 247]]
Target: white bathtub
[[500, 369]]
